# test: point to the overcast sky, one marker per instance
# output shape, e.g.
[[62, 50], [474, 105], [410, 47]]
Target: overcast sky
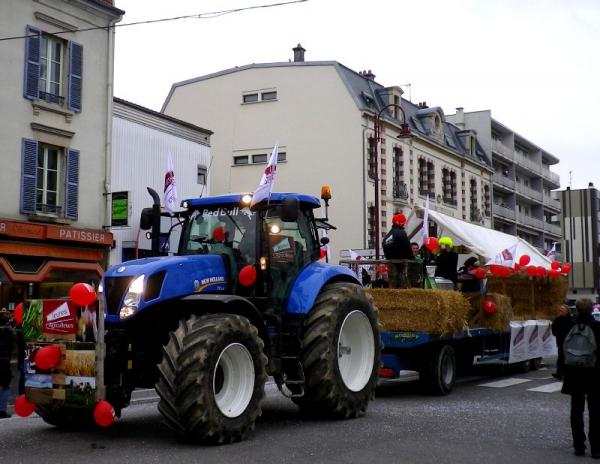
[[534, 63]]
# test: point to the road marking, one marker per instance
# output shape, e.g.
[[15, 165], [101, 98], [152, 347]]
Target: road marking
[[504, 383], [548, 388]]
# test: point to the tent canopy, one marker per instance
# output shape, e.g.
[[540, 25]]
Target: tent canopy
[[487, 243]]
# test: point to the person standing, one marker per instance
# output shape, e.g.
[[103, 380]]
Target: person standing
[[447, 261], [7, 343], [581, 374], [397, 246], [560, 327]]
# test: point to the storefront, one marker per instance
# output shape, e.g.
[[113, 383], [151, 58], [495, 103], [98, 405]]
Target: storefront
[[44, 260]]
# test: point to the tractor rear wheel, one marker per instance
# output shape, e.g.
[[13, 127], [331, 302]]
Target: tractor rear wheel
[[212, 379], [340, 353], [65, 418]]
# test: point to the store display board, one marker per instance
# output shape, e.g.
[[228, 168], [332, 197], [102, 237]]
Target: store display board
[[74, 331]]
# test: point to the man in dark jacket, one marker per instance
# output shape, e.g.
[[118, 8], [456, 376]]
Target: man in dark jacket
[[447, 261], [7, 343], [397, 246], [560, 328], [583, 383]]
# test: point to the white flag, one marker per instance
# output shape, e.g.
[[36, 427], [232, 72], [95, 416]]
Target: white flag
[[268, 178], [506, 257], [425, 229], [552, 253], [170, 191], [354, 256]]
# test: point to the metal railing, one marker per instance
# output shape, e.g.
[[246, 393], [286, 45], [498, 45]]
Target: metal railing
[[504, 212]]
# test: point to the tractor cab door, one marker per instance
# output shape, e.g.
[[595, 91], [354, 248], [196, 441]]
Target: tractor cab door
[[290, 245]]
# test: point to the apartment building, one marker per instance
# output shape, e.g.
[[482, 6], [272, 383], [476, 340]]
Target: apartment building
[[323, 114], [56, 94], [522, 180]]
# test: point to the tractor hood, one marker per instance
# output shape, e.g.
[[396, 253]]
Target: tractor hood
[[164, 278]]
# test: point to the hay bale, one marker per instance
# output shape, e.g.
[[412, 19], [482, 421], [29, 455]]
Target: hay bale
[[497, 321], [420, 310]]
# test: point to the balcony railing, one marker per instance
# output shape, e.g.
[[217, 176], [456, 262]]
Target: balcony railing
[[530, 221], [505, 151], [49, 209], [504, 180], [504, 212], [552, 229], [551, 203], [529, 192], [400, 191], [528, 163], [51, 98], [551, 176]]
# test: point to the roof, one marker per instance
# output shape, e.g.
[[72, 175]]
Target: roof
[[234, 199]]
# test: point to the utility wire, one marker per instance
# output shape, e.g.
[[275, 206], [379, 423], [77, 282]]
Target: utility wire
[[210, 15]]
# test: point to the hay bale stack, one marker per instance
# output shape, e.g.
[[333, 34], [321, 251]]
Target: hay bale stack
[[420, 310], [497, 321]]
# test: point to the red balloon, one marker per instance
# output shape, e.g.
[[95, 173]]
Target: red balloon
[[517, 267], [480, 273], [555, 265], [565, 268], [489, 307], [23, 407], [431, 243], [82, 294], [322, 253], [554, 273], [531, 270], [247, 275], [506, 271], [498, 270], [47, 357], [18, 314], [524, 260], [104, 414], [541, 271]]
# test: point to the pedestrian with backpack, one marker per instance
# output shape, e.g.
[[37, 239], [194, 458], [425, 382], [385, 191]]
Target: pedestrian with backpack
[[581, 374]]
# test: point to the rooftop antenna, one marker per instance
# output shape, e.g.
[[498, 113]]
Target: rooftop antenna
[[409, 85], [570, 179]]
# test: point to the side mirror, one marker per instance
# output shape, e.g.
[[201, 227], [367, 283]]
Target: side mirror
[[146, 219], [290, 209]]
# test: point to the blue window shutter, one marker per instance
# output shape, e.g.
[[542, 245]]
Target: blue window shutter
[[29, 158], [32, 63], [72, 184], [75, 76]]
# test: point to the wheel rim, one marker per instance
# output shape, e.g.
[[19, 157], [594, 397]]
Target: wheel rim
[[356, 350], [233, 380], [447, 370]]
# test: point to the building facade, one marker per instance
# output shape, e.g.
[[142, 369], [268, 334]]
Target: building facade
[[579, 219], [322, 114], [522, 180], [56, 112], [142, 142]]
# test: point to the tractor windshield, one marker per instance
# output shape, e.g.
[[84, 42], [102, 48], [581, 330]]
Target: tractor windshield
[[221, 231]]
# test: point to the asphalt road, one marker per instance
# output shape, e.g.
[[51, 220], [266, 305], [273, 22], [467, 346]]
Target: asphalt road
[[510, 418]]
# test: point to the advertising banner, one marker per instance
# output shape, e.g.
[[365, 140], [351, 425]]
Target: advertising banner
[[518, 343]]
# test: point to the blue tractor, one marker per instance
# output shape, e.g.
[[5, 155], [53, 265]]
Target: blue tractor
[[247, 296]]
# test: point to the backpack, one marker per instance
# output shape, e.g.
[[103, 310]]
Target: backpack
[[579, 347]]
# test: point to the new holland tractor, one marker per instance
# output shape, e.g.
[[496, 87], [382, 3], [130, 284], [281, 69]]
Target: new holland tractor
[[246, 296]]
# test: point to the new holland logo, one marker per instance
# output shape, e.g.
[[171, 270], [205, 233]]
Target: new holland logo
[[59, 313], [209, 282]]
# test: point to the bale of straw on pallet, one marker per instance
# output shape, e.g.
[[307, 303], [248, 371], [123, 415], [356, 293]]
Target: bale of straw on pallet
[[497, 321], [420, 310]]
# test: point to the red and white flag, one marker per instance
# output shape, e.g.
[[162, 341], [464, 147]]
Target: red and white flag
[[552, 253], [170, 191], [506, 257], [267, 180]]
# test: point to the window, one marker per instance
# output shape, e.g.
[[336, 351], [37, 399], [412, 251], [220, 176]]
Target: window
[[250, 98], [266, 96], [282, 156], [239, 160], [449, 187], [260, 158], [426, 177], [49, 179], [120, 209], [371, 161], [53, 69], [201, 175]]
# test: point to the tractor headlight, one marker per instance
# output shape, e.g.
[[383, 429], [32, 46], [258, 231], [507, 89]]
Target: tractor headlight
[[132, 298]]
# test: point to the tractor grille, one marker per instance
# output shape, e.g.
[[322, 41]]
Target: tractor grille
[[114, 290]]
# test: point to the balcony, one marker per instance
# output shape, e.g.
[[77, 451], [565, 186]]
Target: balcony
[[504, 212], [503, 150], [528, 163], [505, 181], [551, 203], [550, 176], [529, 192], [525, 219], [552, 229], [400, 191]]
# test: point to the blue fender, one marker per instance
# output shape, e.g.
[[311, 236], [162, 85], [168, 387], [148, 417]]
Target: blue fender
[[310, 282]]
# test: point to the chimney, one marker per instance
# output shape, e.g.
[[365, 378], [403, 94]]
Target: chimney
[[369, 75], [298, 53], [590, 185], [422, 105], [460, 118]]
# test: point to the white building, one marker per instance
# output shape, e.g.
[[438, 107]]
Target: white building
[[142, 141], [56, 94], [322, 114]]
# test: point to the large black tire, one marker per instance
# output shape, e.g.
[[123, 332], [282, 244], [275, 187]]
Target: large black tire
[[326, 392], [535, 364], [65, 418], [438, 375], [195, 372]]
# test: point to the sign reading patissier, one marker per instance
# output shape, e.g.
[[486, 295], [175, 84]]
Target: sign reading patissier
[[48, 231]]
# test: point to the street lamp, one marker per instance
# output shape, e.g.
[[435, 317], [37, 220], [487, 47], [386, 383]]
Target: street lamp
[[404, 132]]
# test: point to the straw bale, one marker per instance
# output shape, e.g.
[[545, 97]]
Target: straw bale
[[420, 310], [497, 321]]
